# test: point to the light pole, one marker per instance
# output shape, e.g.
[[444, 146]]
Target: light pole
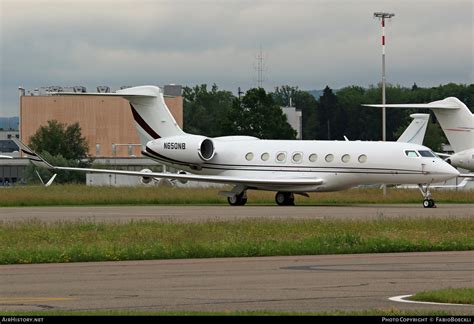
[[382, 16]]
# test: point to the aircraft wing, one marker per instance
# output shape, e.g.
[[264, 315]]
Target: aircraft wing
[[293, 181]]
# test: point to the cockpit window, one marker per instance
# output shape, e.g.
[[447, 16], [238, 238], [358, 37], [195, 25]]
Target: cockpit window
[[411, 153], [426, 153]]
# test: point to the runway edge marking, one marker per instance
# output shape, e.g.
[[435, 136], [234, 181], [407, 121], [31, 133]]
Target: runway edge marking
[[402, 299]]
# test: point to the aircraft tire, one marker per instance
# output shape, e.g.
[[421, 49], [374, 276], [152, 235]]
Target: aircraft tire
[[428, 203], [284, 198], [237, 200]]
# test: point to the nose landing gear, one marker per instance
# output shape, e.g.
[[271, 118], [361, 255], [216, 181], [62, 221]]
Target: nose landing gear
[[428, 202]]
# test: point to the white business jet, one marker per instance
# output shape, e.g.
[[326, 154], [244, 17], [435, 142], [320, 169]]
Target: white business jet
[[286, 166], [457, 122]]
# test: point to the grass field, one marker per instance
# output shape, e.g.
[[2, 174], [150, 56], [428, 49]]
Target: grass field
[[87, 195], [37, 242], [450, 295]]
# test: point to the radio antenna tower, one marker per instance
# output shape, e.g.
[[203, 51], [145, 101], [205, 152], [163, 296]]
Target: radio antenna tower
[[260, 67]]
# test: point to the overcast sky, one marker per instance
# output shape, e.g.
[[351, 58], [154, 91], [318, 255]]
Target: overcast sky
[[309, 44]]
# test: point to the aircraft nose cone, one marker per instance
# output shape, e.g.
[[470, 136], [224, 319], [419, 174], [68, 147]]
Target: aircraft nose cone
[[448, 169]]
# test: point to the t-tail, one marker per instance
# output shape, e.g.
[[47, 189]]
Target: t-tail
[[152, 117], [415, 132], [454, 117]]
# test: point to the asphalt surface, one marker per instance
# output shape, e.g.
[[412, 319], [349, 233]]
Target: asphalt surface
[[294, 284], [205, 213]]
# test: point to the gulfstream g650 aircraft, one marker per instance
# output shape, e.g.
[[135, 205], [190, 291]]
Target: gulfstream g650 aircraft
[[285, 166]]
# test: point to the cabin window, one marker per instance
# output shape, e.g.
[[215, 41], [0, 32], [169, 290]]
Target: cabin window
[[297, 157], [362, 158], [313, 157], [329, 158], [411, 153], [265, 156], [281, 157], [249, 156], [426, 154], [346, 158]]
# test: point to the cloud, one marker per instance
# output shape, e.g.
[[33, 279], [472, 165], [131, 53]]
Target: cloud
[[306, 43]]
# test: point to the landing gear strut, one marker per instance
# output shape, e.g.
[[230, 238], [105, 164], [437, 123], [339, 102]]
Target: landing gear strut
[[285, 198], [238, 199], [428, 202]]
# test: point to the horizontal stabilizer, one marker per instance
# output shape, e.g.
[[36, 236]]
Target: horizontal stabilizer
[[448, 103]]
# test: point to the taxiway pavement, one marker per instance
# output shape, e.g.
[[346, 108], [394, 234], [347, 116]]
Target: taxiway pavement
[[222, 213], [293, 284]]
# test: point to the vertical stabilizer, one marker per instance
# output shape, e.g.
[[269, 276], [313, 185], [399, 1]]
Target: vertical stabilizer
[[152, 117], [457, 124], [415, 132], [456, 120]]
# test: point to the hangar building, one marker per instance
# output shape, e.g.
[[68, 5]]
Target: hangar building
[[106, 122]]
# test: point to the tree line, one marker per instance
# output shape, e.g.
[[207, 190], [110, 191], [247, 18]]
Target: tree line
[[214, 112]]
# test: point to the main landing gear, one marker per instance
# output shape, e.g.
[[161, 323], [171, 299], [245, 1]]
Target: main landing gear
[[428, 202], [285, 198], [238, 199], [281, 198]]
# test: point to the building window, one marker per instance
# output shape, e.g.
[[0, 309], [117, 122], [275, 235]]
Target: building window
[[297, 157], [346, 158], [281, 157], [362, 158], [313, 157], [265, 156], [329, 158], [249, 156]]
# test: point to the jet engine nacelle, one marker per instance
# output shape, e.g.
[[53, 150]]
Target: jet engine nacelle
[[146, 180], [463, 159], [181, 180], [192, 149]]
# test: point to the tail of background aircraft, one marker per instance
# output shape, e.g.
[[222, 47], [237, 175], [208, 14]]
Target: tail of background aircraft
[[454, 117], [152, 117], [415, 132]]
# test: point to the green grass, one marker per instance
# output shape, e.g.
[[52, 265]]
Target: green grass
[[374, 312], [85, 195], [37, 242], [450, 295]]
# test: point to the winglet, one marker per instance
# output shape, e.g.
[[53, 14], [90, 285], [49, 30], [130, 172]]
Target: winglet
[[32, 155]]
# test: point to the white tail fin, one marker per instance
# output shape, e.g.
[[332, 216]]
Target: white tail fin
[[415, 132], [152, 117], [454, 117]]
